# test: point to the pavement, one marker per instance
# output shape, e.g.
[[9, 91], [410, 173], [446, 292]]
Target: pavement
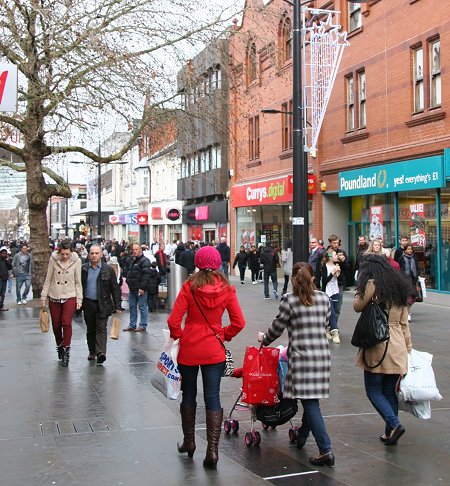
[[105, 424]]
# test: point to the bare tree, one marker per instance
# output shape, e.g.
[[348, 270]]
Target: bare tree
[[82, 63]]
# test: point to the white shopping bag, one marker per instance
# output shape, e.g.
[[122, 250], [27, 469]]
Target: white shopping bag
[[167, 378], [419, 384], [423, 286], [420, 410]]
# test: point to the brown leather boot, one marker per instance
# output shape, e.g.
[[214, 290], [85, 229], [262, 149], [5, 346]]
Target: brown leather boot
[[188, 426], [213, 428]]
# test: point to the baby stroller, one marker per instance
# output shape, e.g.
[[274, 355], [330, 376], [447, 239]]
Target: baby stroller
[[270, 415]]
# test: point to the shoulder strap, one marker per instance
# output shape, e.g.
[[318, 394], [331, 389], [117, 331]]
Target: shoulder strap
[[203, 314]]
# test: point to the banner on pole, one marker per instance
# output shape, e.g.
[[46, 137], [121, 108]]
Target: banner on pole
[[8, 88]]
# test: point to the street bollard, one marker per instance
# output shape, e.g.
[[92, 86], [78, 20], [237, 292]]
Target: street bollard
[[176, 278]]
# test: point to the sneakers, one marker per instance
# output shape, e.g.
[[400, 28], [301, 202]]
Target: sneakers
[[101, 358], [19, 303], [335, 336], [275, 294], [242, 281], [254, 282], [328, 333], [24, 301], [266, 298], [261, 281]]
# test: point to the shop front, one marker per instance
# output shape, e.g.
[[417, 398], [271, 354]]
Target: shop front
[[127, 224], [263, 211], [409, 198], [207, 222], [164, 220]]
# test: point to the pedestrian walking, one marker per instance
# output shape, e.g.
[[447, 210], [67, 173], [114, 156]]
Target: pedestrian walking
[[138, 280], [63, 289], [305, 314], [409, 267], [5, 269], [101, 297], [253, 263], [287, 258], [224, 251], [378, 280], [23, 268], [398, 253], [187, 258], [335, 242], [270, 260], [153, 287], [331, 271], [241, 260], [203, 299], [316, 253]]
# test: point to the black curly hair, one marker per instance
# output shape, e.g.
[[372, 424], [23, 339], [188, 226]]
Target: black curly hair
[[392, 285]]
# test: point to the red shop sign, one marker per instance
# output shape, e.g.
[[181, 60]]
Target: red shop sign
[[142, 218]]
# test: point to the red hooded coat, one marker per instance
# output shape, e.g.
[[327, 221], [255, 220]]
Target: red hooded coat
[[198, 343]]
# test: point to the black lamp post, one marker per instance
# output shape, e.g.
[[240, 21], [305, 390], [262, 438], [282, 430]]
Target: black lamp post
[[300, 207]]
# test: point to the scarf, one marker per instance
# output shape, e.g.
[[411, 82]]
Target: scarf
[[410, 265]]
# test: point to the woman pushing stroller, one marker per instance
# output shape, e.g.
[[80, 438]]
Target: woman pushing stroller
[[305, 313]]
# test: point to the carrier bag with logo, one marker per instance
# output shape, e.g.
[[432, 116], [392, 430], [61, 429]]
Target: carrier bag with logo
[[260, 376]]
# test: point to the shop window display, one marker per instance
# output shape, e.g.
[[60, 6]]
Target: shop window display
[[418, 221]]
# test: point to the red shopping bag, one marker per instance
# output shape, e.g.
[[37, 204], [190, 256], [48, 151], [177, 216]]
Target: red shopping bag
[[260, 376]]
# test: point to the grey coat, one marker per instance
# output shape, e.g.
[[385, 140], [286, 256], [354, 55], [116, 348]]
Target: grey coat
[[308, 352]]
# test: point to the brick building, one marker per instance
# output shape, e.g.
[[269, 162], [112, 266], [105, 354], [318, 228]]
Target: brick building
[[381, 164]]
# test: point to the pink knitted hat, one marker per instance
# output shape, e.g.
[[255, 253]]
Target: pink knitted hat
[[208, 258]]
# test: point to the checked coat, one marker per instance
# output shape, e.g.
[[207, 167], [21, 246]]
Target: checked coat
[[308, 351]]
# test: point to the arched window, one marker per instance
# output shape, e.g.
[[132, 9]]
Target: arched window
[[251, 63], [285, 40]]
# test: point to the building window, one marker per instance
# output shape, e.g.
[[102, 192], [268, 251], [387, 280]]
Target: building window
[[355, 18], [435, 73], [285, 40], [257, 137], [251, 140], [217, 77], [286, 126], [418, 80], [350, 104], [362, 99], [251, 63]]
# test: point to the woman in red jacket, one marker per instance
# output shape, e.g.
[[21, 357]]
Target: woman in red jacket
[[204, 298]]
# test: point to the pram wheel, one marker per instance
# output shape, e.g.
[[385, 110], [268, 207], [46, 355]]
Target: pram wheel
[[248, 439], [227, 426], [235, 426], [293, 433], [256, 438]]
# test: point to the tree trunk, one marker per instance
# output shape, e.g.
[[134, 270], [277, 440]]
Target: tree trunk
[[40, 247], [37, 198]]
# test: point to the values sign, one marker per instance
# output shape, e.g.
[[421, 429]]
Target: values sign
[[8, 87]]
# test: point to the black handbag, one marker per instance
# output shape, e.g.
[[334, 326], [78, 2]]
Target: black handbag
[[279, 414], [371, 329]]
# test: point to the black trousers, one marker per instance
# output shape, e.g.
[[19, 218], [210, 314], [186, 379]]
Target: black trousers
[[96, 334]]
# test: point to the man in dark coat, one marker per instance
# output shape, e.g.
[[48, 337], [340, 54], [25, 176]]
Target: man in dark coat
[[5, 268], [315, 258], [225, 254], [138, 278], [187, 258], [270, 260], [101, 297]]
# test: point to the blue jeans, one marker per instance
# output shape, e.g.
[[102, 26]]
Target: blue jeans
[[337, 308], [135, 301], [224, 268], [273, 276], [380, 390], [20, 280], [211, 376], [312, 421], [334, 300]]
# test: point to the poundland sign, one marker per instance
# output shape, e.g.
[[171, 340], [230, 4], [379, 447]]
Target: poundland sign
[[411, 175]]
